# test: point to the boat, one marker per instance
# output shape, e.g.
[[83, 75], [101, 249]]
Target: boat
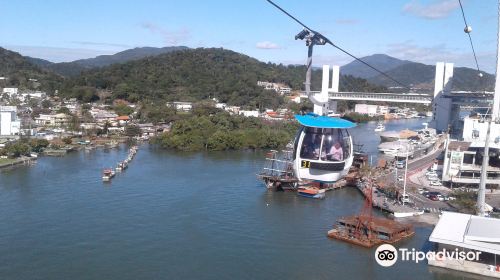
[[107, 174], [389, 136], [408, 214], [380, 127], [122, 166], [397, 149], [311, 192]]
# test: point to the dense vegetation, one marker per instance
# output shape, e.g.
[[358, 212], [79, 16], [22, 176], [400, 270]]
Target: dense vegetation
[[74, 68], [422, 75], [221, 131], [18, 71], [190, 75], [359, 118]]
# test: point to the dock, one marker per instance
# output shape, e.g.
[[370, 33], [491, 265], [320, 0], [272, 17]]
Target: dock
[[382, 202]]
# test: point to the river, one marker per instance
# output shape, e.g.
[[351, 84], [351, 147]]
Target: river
[[180, 216]]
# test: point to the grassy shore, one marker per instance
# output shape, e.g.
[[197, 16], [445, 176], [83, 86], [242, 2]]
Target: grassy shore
[[8, 161]]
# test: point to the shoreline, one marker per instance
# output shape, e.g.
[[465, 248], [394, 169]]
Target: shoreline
[[17, 161]]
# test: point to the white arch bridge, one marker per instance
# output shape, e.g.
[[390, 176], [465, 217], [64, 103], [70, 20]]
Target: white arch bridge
[[446, 104]]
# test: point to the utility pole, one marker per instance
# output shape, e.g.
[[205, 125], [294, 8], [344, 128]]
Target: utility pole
[[406, 171], [482, 182], [494, 118]]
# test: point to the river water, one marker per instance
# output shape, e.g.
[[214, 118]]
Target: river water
[[180, 216]]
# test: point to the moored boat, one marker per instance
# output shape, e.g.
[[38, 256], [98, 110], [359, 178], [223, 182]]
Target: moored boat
[[107, 174], [380, 127], [311, 192]]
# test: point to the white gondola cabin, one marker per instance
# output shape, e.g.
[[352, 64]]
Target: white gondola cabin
[[323, 149]]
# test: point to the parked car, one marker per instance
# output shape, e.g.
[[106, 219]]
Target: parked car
[[431, 173], [440, 197], [434, 197], [400, 164], [429, 194], [435, 183], [400, 178], [432, 178], [405, 198], [423, 190]]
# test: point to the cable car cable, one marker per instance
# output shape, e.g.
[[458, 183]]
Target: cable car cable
[[320, 36], [468, 30]]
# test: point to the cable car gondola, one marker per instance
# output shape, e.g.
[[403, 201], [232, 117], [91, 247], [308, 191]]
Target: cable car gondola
[[323, 149]]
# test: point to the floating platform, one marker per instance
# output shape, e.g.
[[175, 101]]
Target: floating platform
[[369, 231]]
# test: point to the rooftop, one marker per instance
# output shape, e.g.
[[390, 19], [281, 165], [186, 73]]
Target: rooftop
[[468, 231]]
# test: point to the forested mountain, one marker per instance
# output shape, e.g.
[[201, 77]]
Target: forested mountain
[[18, 70], [74, 68], [415, 74], [382, 62], [197, 74]]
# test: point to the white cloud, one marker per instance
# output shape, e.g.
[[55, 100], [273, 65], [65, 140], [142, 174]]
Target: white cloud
[[267, 45], [171, 37], [435, 10], [431, 54], [87, 43], [56, 54]]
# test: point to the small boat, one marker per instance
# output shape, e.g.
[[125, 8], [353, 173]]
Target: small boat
[[380, 127], [107, 174], [122, 166], [311, 192]]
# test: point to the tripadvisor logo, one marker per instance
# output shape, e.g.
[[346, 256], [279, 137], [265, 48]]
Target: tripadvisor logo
[[386, 255]]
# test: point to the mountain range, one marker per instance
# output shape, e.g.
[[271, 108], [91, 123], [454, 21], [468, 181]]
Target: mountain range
[[161, 62], [74, 68], [414, 74]]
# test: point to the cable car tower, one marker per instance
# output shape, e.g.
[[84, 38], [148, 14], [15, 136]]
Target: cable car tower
[[323, 149]]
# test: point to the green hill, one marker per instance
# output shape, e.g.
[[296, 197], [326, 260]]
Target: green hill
[[20, 72], [196, 74], [74, 68]]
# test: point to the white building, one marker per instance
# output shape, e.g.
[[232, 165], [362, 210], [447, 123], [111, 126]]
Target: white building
[[254, 113], [181, 106], [32, 95], [372, 110], [53, 120], [10, 91], [9, 123], [474, 235], [463, 159], [284, 90]]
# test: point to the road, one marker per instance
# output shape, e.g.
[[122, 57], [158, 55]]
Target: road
[[416, 169]]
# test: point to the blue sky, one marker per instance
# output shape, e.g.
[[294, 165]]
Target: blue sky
[[419, 30]]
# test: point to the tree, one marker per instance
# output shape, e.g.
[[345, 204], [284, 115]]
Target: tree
[[123, 110], [17, 149], [46, 104], [63, 110], [67, 140], [132, 130], [37, 145]]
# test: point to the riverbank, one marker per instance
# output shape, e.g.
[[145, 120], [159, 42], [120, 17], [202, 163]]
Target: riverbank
[[8, 162]]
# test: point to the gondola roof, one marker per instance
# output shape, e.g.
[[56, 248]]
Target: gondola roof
[[317, 121]]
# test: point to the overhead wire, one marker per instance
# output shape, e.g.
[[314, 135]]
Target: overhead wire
[[468, 30], [338, 47]]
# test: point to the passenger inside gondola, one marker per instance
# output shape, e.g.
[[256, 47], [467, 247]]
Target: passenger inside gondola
[[332, 149], [311, 146]]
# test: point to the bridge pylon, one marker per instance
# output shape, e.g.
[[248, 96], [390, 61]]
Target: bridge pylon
[[330, 105]]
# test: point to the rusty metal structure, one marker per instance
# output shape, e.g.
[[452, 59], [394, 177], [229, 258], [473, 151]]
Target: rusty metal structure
[[368, 231]]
